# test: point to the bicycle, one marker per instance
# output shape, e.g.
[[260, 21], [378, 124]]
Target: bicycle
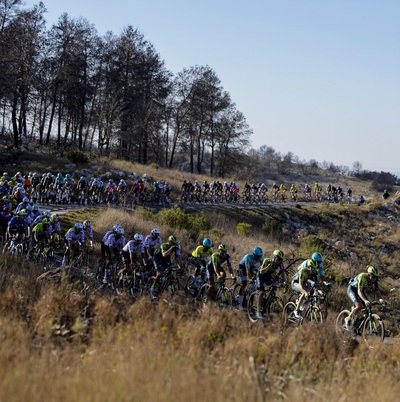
[[271, 305], [321, 301], [311, 313], [369, 326], [167, 283], [222, 295]]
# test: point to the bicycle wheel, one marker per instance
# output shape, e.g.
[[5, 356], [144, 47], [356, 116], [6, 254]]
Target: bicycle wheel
[[288, 317], [224, 298], [190, 287], [313, 315], [252, 306], [203, 292], [340, 327], [373, 331], [274, 308], [235, 294]]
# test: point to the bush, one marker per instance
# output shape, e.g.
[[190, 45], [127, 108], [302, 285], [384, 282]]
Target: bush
[[177, 218], [77, 157], [154, 165], [243, 229], [271, 227], [311, 244]]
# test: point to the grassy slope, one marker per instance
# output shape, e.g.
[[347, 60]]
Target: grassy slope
[[105, 348]]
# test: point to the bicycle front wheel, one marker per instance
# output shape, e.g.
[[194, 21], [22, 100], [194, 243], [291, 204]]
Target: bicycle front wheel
[[288, 317], [224, 298], [340, 326], [275, 308], [252, 305], [314, 315], [373, 331]]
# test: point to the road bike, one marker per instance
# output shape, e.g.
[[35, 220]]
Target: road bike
[[311, 313], [271, 304], [369, 326], [221, 294]]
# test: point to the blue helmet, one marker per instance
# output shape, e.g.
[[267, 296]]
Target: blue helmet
[[207, 242], [258, 252], [317, 257]]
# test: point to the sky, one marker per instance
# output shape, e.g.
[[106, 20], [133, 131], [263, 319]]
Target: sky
[[316, 78]]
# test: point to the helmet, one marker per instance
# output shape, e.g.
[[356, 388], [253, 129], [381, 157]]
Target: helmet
[[155, 231], [82, 178], [115, 227], [173, 239], [138, 237], [207, 242], [68, 175], [222, 247], [373, 271], [258, 252], [317, 257], [47, 214], [55, 217], [29, 208], [78, 226], [25, 199], [22, 212], [278, 253], [312, 264], [120, 230], [45, 221], [86, 224], [35, 207]]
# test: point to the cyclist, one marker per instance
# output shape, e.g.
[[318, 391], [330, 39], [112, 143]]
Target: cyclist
[[293, 192], [55, 228], [23, 204], [129, 251], [319, 271], [356, 291], [114, 242], [214, 266], [152, 242], [303, 281], [199, 259], [87, 229], [39, 236], [73, 240], [103, 247], [266, 276], [162, 259], [248, 266], [17, 228]]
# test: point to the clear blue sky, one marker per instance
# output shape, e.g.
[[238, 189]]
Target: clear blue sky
[[317, 78]]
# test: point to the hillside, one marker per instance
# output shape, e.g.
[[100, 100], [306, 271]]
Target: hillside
[[72, 342]]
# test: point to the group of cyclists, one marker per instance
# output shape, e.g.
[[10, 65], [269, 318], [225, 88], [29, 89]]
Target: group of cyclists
[[47, 188], [258, 193], [21, 220]]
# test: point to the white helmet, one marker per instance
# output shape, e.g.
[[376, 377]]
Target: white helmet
[[138, 237], [120, 230]]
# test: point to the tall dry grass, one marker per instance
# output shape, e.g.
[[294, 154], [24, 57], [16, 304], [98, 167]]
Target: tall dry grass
[[167, 352]]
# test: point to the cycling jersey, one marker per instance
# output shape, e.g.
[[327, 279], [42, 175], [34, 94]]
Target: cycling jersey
[[131, 247], [202, 252], [151, 244], [75, 237], [361, 281], [18, 224], [271, 267], [301, 276], [114, 242], [320, 270], [249, 263]]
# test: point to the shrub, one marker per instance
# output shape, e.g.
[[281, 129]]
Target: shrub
[[177, 218], [154, 165], [311, 244], [271, 227], [243, 229], [77, 157]]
